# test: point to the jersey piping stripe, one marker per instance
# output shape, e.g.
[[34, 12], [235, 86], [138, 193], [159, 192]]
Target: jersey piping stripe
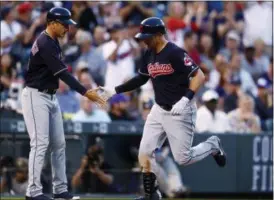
[[35, 129], [139, 71], [59, 71], [193, 71]]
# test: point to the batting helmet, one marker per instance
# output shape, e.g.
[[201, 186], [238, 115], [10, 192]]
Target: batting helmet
[[61, 15], [149, 27]]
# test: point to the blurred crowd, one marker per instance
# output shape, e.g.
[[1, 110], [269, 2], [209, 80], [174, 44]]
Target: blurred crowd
[[230, 41]]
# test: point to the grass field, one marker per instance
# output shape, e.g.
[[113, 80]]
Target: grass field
[[12, 198]]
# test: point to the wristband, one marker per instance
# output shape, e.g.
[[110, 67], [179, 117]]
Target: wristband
[[189, 94]]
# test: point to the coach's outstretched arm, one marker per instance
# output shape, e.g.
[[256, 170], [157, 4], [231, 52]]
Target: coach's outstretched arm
[[78, 87], [197, 79], [131, 84]]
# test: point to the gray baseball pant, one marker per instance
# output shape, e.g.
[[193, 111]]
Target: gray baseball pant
[[44, 124], [179, 130]]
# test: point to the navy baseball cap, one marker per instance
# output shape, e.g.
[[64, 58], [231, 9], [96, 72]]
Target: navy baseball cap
[[5, 11], [118, 98]]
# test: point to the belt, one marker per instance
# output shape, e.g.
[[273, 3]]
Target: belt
[[166, 107], [48, 91]]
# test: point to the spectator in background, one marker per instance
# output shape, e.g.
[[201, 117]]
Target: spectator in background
[[12, 104], [100, 36], [68, 101], [87, 80], [216, 75], [250, 64], [243, 119], [133, 10], [84, 78], [109, 13], [93, 58], [248, 84], [268, 76], [232, 43], [94, 175], [263, 106], [230, 19], [260, 54], [207, 51], [70, 48], [255, 24], [190, 45], [81, 68], [16, 184], [119, 55], [233, 90], [84, 15], [118, 108], [209, 119], [89, 113], [7, 71], [201, 19], [32, 27], [175, 22], [11, 30]]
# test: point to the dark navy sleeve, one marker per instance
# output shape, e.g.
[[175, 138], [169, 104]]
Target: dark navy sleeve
[[182, 62], [143, 69], [52, 57]]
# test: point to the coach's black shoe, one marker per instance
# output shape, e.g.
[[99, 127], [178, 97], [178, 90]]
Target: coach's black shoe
[[65, 196], [220, 157], [39, 197]]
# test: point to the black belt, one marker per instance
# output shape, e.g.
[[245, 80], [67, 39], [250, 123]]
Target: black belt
[[48, 91], [166, 107]]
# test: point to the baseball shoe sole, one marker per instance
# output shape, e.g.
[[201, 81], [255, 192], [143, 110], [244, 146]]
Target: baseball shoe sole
[[220, 157]]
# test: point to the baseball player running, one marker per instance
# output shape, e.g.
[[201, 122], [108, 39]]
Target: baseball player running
[[175, 79], [41, 110]]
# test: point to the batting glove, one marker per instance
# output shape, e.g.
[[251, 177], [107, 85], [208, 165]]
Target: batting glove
[[106, 93], [179, 107]]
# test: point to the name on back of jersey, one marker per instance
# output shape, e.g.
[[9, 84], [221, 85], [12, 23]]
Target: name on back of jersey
[[34, 48], [158, 69]]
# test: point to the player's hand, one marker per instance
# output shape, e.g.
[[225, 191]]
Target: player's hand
[[179, 107], [106, 93], [96, 98]]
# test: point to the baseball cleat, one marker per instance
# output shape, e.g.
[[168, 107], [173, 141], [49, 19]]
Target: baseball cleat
[[155, 196], [220, 157], [65, 196], [40, 197]]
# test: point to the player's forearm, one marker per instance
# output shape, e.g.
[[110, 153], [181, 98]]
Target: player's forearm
[[132, 84], [72, 82], [197, 81]]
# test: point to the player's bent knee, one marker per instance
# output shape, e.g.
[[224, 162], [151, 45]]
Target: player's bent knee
[[183, 159]]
